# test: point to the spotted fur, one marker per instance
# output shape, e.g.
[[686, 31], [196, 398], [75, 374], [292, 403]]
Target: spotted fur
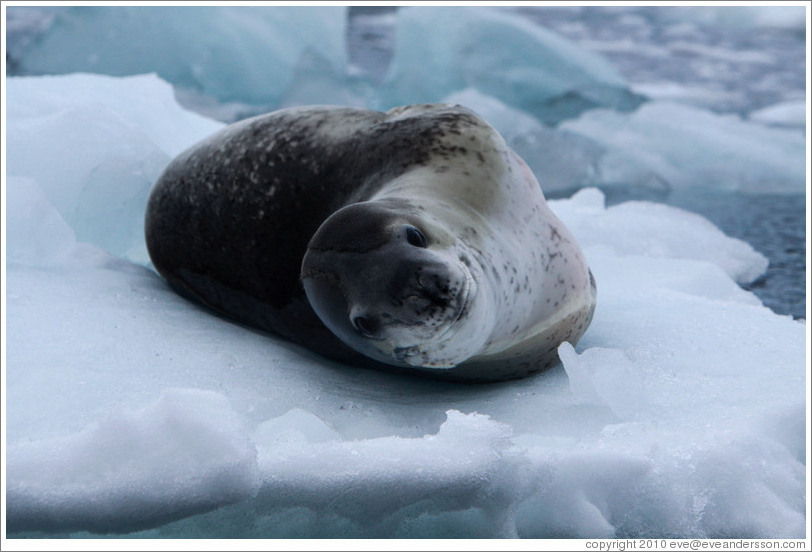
[[230, 221]]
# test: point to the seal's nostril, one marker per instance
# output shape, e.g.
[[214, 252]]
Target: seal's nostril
[[433, 285], [367, 326]]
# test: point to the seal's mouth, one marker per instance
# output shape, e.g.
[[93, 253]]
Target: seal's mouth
[[463, 298], [419, 355]]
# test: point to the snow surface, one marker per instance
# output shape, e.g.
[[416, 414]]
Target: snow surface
[[680, 413]]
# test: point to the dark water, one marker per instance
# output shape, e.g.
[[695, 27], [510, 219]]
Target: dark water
[[733, 69]]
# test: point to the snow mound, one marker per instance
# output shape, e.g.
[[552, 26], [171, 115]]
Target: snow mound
[[184, 454], [689, 146], [129, 410], [400, 472], [439, 51], [785, 114], [696, 95], [246, 54], [655, 230], [778, 17]]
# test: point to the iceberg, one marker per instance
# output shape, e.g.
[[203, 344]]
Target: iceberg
[[244, 54], [42, 235], [132, 412], [440, 51], [690, 146], [659, 146], [94, 145]]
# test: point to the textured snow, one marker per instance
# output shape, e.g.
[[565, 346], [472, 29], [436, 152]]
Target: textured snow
[[183, 454], [680, 413]]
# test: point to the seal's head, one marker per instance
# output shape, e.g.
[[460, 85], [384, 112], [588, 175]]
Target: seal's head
[[393, 285]]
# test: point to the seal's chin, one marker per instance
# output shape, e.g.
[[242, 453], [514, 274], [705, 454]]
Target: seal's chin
[[416, 358]]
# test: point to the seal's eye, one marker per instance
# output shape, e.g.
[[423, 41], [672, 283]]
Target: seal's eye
[[415, 237]]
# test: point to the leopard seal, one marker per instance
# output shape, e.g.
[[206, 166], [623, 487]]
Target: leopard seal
[[413, 239]]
